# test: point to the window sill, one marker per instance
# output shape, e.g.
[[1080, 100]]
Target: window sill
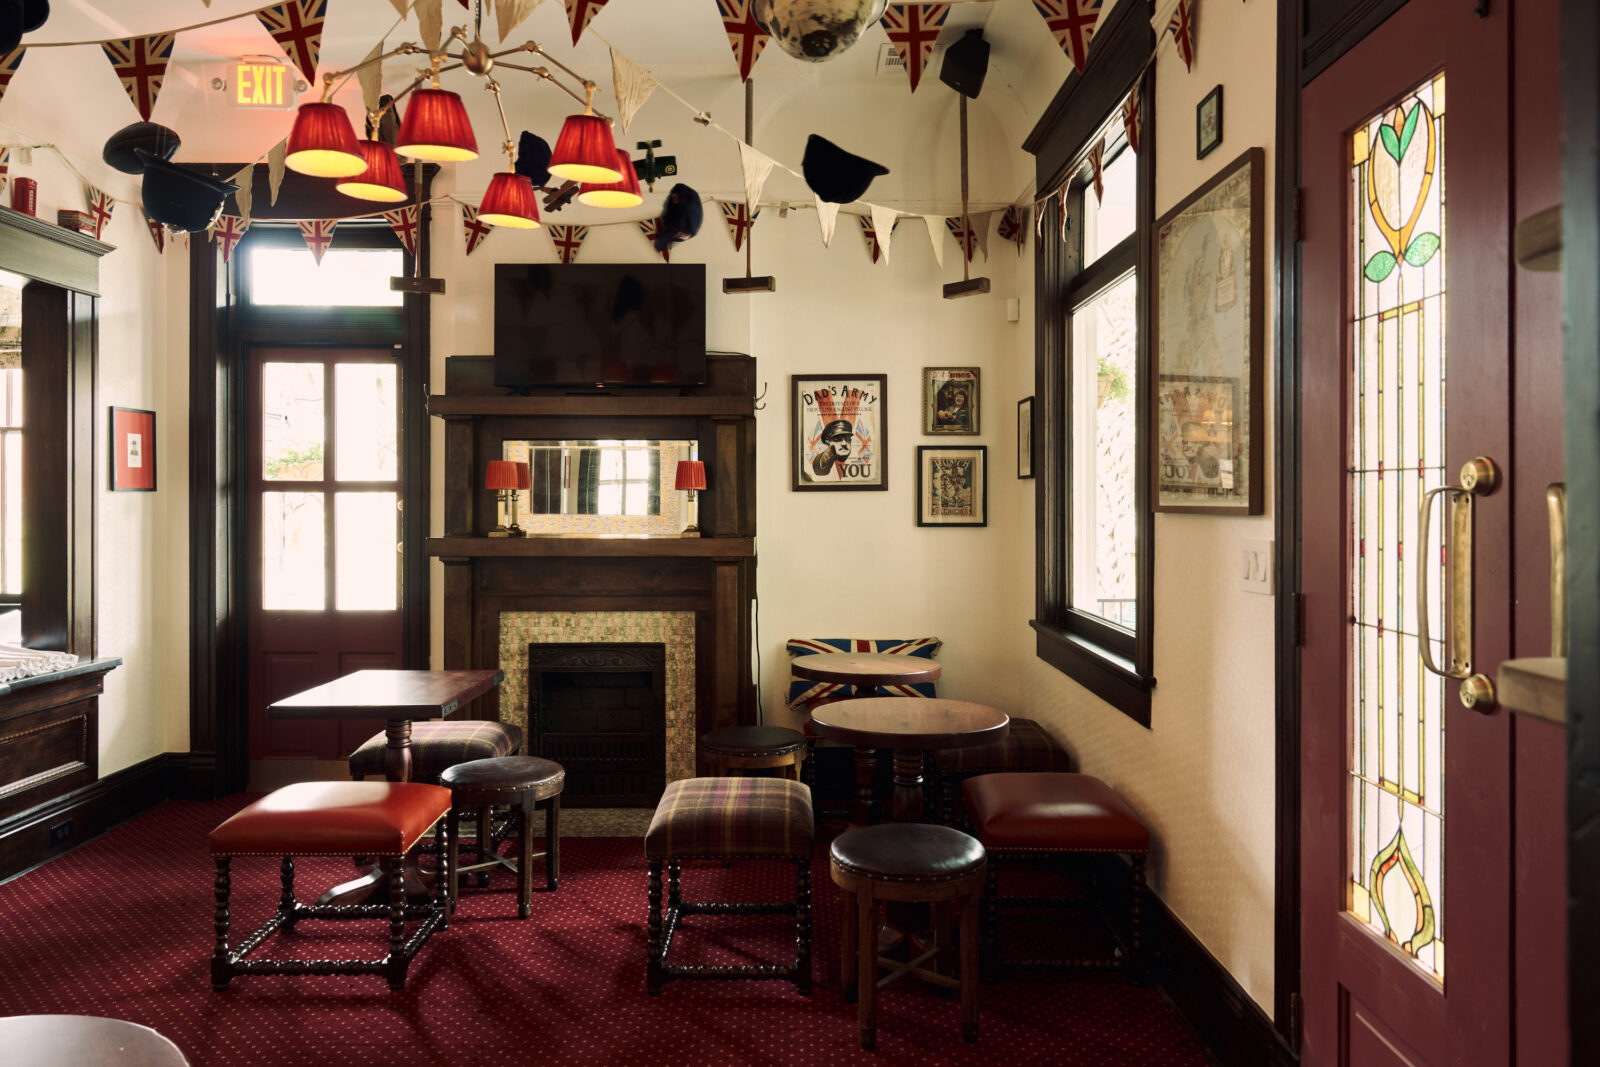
[[1113, 678]]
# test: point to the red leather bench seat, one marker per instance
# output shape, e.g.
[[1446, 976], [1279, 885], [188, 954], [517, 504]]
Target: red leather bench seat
[[1052, 811], [333, 819]]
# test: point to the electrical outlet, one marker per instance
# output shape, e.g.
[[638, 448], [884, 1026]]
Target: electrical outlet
[[61, 831], [1255, 566]]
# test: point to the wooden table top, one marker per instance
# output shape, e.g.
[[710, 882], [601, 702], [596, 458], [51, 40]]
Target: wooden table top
[[865, 668], [378, 694], [53, 1040], [910, 722]]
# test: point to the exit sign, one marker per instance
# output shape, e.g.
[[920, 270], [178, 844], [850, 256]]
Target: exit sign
[[260, 84]]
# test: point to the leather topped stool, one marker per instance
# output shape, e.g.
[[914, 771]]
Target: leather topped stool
[[526, 783], [438, 746], [729, 819], [382, 819], [746, 748], [1032, 817], [1027, 746], [906, 861]]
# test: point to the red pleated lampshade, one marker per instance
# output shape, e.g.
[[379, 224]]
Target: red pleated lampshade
[[436, 129], [381, 181], [524, 476], [323, 143], [624, 193], [585, 151], [502, 474], [511, 200], [691, 474]]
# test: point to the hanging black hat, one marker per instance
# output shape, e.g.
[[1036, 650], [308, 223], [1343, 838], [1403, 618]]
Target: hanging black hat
[[835, 175], [18, 17], [181, 199], [533, 159], [681, 218], [153, 137]]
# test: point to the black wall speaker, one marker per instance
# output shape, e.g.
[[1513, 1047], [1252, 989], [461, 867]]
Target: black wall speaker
[[965, 64]]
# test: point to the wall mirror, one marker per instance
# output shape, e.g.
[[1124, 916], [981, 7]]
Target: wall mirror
[[600, 488]]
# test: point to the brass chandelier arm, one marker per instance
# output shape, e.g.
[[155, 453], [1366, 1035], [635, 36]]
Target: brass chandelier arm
[[510, 150], [409, 48], [547, 76]]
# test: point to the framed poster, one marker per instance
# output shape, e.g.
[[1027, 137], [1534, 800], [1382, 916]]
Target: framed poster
[[1207, 455], [838, 431], [1025, 437], [1208, 123], [952, 485], [133, 450], [950, 400]]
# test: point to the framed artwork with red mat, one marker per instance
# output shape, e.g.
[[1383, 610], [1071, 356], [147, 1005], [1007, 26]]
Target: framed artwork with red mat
[[133, 450]]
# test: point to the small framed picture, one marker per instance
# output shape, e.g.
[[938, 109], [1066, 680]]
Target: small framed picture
[[950, 400], [1025, 437], [952, 485], [133, 450], [1208, 123], [838, 428]]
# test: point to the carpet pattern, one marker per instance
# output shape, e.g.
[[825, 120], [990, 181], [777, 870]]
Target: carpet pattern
[[121, 927]]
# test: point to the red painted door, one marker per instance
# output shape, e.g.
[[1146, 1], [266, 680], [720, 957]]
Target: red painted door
[[324, 499], [1416, 331]]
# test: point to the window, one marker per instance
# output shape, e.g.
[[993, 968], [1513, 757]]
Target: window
[[11, 457], [355, 277]]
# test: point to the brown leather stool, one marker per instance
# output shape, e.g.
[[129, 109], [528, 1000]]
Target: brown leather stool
[[906, 861], [1026, 817], [1027, 746], [745, 748], [526, 783]]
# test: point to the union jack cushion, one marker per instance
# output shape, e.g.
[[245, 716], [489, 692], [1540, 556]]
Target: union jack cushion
[[802, 690]]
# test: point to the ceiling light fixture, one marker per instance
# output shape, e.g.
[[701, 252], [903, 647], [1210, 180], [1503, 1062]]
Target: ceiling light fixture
[[622, 193]]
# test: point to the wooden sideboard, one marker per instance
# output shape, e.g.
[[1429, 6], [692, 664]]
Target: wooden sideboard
[[49, 741]]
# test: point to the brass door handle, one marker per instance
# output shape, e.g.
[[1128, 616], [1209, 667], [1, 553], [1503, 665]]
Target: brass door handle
[[1479, 477]]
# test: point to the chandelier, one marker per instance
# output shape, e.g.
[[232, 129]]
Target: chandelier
[[435, 129]]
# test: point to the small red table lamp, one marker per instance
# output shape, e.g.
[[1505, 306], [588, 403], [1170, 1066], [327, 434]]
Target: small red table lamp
[[506, 477], [691, 476]]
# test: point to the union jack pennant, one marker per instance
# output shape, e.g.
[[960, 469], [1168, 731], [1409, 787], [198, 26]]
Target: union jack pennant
[[649, 227], [567, 239], [913, 29], [580, 13], [319, 235], [141, 64], [1097, 158], [745, 35], [740, 222], [1182, 28], [8, 69], [965, 233], [403, 221], [1131, 122], [870, 233], [803, 691], [1072, 23], [474, 230], [5, 168], [229, 229], [297, 26], [158, 234], [1014, 226], [101, 205]]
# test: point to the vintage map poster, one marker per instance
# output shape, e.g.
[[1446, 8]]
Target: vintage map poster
[[838, 431]]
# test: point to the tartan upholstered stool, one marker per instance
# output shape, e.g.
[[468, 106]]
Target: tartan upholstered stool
[[436, 746], [1033, 817], [383, 819], [1027, 747], [729, 819], [526, 783], [906, 861], [732, 749]]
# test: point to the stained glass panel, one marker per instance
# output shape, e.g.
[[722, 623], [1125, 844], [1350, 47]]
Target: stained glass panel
[[1397, 272]]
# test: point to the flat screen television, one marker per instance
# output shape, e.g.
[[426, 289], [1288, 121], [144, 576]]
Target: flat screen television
[[599, 324]]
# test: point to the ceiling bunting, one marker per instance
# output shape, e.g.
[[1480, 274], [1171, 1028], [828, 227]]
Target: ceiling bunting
[[158, 234], [649, 227], [473, 230], [632, 84], [1014, 226], [370, 75], [508, 14], [400, 6], [297, 27], [884, 220], [1072, 23], [745, 35], [914, 29], [430, 22], [1097, 159], [227, 230], [403, 221], [275, 167], [8, 69], [740, 221], [980, 223], [755, 167], [1182, 28], [828, 218], [870, 233], [101, 205], [567, 240], [244, 195], [1131, 123], [963, 230], [935, 226], [319, 235], [5, 168], [141, 66], [580, 13]]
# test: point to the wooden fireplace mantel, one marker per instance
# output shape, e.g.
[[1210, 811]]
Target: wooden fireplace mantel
[[557, 547]]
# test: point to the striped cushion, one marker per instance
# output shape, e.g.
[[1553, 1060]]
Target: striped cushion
[[712, 817], [438, 746], [1027, 747], [802, 690]]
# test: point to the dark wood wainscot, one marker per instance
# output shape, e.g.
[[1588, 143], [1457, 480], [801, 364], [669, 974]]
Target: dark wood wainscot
[[712, 575], [48, 734]]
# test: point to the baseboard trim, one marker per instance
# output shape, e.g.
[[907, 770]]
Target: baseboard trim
[[90, 811], [192, 775]]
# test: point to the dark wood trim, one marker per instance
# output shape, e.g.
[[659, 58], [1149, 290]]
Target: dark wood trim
[[83, 361], [1580, 269], [92, 809], [1321, 46], [591, 547], [1113, 680]]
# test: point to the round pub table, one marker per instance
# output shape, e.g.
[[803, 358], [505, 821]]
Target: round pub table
[[865, 670], [63, 1040]]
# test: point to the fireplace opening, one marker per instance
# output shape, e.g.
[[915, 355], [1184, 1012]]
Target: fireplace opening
[[599, 710]]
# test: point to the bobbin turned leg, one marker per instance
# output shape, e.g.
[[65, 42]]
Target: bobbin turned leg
[[221, 969], [802, 922], [653, 965], [286, 895], [394, 967]]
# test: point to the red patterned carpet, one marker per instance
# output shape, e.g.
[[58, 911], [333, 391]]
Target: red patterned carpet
[[121, 927]]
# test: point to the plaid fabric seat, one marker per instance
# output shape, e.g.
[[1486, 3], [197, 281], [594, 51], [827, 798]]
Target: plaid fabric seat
[[438, 746], [1027, 747], [715, 818]]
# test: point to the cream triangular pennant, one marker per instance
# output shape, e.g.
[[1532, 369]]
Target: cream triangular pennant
[[828, 216], [509, 14], [245, 180], [371, 77], [980, 225], [632, 84], [756, 167], [430, 20], [275, 159], [883, 225], [935, 224]]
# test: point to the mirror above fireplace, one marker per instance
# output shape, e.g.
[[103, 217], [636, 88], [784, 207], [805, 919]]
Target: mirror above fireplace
[[600, 487]]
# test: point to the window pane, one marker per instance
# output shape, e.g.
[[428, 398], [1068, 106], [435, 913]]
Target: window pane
[[293, 567], [1111, 218], [357, 277], [367, 559], [1102, 445], [364, 421], [291, 421], [11, 481]]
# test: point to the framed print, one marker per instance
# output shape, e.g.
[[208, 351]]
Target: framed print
[[950, 400], [1208, 123], [838, 431], [1207, 455], [133, 450], [1025, 437], [952, 485]]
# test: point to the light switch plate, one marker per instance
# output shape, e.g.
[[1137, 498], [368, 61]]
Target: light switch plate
[[1255, 566]]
